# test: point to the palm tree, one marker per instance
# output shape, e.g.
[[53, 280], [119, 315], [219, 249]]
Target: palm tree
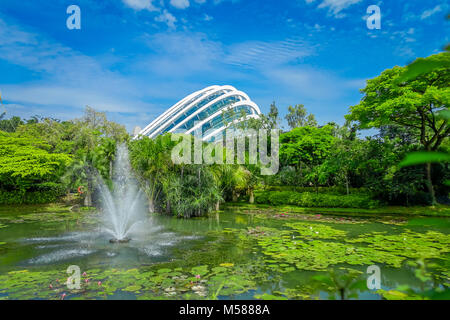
[[231, 179], [151, 160], [107, 153]]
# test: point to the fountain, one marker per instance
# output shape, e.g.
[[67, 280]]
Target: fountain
[[123, 205], [127, 236]]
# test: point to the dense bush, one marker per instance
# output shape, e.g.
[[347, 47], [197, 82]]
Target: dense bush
[[41, 193], [336, 190], [308, 199]]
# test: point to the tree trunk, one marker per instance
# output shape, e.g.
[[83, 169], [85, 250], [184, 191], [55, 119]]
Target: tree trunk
[[342, 293], [151, 205], [217, 205], [430, 184], [251, 199], [110, 169], [88, 199], [346, 184], [168, 206]]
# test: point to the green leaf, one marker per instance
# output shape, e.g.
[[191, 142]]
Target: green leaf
[[421, 157], [421, 66], [444, 114]]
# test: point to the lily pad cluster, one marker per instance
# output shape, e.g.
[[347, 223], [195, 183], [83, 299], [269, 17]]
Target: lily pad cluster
[[143, 283], [312, 246]]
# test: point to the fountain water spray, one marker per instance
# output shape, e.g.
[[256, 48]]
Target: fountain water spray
[[123, 205]]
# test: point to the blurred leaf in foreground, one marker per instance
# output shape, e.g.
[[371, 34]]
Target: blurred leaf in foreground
[[421, 157]]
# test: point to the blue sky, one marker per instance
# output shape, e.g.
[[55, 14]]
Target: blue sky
[[135, 58]]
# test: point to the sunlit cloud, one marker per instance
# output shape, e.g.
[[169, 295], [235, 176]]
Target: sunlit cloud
[[180, 4], [167, 18], [428, 13], [335, 7], [141, 4]]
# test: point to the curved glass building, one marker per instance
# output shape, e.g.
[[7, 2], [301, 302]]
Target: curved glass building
[[210, 110]]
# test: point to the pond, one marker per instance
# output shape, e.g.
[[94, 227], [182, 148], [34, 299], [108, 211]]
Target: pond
[[228, 255]]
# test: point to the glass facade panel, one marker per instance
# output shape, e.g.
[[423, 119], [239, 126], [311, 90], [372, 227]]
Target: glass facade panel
[[184, 105], [221, 119], [202, 99], [194, 108]]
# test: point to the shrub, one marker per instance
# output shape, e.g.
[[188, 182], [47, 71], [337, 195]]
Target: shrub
[[262, 197], [328, 190], [309, 199], [41, 193]]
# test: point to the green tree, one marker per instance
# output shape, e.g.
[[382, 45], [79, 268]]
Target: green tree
[[306, 145], [92, 140], [26, 161], [10, 125], [107, 153], [192, 191], [151, 160], [54, 132], [272, 116], [231, 179], [298, 117], [343, 161], [414, 103]]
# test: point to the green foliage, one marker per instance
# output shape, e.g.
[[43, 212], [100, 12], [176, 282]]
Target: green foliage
[[45, 150], [307, 199], [335, 190], [45, 193], [411, 104], [298, 117], [415, 97], [184, 190], [151, 160], [421, 157], [422, 66], [10, 125], [306, 145], [192, 192], [25, 163]]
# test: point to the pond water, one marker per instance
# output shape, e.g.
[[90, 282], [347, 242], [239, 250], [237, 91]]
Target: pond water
[[230, 255]]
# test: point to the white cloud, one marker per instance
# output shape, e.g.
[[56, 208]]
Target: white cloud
[[181, 54], [167, 18], [310, 83], [141, 4], [189, 56], [404, 51], [180, 4], [207, 17], [318, 27], [430, 12], [335, 6], [76, 97], [67, 77], [256, 54]]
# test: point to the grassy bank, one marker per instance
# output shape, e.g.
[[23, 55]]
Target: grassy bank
[[315, 200], [437, 211], [37, 208], [242, 207]]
